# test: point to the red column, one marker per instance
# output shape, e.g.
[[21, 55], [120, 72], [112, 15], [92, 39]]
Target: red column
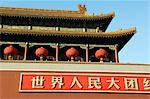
[[57, 51], [116, 54], [25, 51], [87, 53]]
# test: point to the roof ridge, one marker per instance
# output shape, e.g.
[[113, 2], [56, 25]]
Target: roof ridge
[[18, 8], [81, 12]]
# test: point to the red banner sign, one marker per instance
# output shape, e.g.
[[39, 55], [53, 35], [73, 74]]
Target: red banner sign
[[84, 82]]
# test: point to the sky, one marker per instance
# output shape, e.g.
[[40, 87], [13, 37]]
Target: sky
[[128, 13]]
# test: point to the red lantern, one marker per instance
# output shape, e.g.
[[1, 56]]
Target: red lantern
[[101, 53], [41, 52], [10, 50], [72, 52]]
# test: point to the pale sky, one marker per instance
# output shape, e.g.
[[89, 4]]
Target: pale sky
[[128, 13]]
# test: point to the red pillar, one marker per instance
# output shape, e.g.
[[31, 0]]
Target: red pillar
[[25, 51], [87, 53], [116, 54], [57, 51]]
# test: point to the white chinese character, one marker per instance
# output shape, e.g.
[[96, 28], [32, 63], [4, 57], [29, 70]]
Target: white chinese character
[[146, 83], [131, 83], [57, 80], [113, 82], [94, 82], [75, 81], [38, 82]]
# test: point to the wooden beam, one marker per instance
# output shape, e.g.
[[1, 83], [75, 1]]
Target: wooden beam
[[116, 54], [87, 53], [57, 52], [25, 51]]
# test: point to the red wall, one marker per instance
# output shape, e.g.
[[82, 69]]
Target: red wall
[[9, 83]]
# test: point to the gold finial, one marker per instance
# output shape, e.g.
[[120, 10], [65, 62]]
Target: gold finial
[[82, 9]]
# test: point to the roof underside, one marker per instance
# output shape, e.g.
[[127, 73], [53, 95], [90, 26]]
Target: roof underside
[[120, 37]]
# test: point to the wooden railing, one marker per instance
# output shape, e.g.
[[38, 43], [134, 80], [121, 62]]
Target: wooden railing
[[47, 28]]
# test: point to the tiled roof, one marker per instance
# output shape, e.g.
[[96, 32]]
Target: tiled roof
[[117, 33], [45, 13]]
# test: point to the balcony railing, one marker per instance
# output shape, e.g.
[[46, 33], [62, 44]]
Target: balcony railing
[[57, 52], [50, 28]]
